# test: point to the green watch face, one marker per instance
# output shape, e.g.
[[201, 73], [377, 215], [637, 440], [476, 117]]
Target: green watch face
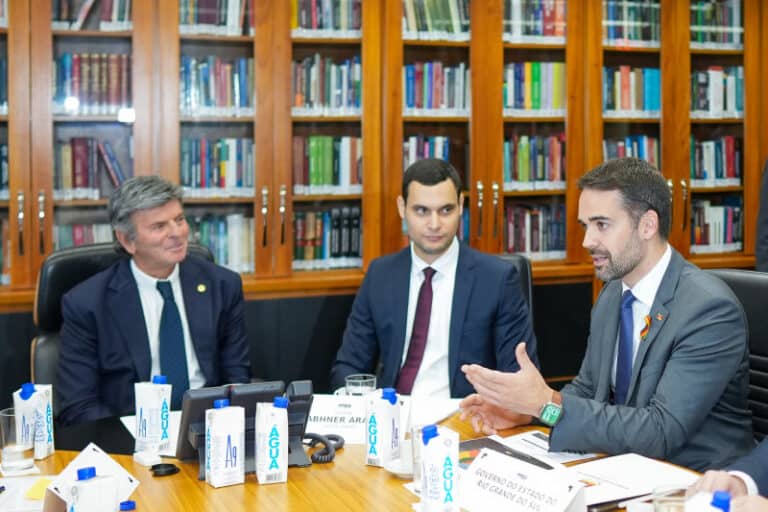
[[550, 414]]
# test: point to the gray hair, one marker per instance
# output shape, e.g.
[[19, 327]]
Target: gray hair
[[139, 193]]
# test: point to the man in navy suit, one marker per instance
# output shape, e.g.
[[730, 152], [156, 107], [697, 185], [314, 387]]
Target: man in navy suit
[[746, 480], [120, 329], [473, 312]]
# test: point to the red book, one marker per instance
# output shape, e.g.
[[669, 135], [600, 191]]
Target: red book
[[106, 10], [418, 84], [625, 73], [80, 162]]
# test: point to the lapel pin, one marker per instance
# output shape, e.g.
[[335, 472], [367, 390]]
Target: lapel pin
[[201, 288], [659, 317]]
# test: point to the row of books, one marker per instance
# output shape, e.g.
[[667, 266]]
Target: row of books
[[417, 147], [4, 172], [77, 234], [320, 86], [534, 86], [717, 92], [3, 85], [436, 19], [217, 167], [91, 83], [329, 18], [323, 164], [3, 13], [5, 249], [716, 22], [717, 225], [216, 17], [534, 21], [629, 91], [534, 162], [535, 229], [213, 86], [644, 147], [113, 15], [631, 23], [329, 238], [716, 163], [229, 237], [435, 87], [76, 168]]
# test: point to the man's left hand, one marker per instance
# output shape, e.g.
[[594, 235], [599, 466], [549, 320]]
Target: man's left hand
[[523, 392]]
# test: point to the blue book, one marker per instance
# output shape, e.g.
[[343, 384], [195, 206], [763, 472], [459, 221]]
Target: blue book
[[121, 176], [410, 74]]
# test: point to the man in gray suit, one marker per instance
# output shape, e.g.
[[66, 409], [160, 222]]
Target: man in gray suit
[[665, 372]]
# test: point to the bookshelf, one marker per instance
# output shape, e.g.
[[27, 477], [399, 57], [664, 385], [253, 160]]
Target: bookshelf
[[480, 53]]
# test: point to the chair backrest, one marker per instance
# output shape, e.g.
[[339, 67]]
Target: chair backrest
[[523, 266], [60, 272], [751, 288]]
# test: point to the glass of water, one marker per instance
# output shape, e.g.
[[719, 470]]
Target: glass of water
[[669, 499], [359, 384], [17, 440]]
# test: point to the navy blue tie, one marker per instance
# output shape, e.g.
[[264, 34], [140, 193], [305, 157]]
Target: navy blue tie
[[173, 357], [624, 359]]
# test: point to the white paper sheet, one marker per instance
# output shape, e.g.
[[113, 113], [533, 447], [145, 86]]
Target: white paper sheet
[[536, 443], [624, 476]]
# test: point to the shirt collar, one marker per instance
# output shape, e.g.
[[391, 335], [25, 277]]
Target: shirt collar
[[645, 289], [442, 265], [144, 280]]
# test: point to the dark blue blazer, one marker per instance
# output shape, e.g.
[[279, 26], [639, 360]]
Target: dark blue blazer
[[489, 318], [755, 464], [104, 344]]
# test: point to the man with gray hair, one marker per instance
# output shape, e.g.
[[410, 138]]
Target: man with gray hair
[[159, 312]]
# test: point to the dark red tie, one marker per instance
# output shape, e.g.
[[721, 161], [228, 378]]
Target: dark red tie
[[419, 333]]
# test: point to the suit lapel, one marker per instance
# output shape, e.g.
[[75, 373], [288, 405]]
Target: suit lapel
[[610, 332], [462, 289], [399, 288], [124, 307], [658, 314], [196, 289]]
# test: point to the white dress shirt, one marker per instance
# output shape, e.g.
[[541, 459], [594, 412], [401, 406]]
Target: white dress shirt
[[645, 293], [152, 306], [432, 378]]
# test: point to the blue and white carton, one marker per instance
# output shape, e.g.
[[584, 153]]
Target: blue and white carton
[[153, 412], [91, 493], [224, 444], [439, 469], [272, 441], [382, 427], [33, 404]]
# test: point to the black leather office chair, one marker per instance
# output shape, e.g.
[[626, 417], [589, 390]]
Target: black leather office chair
[[751, 288], [60, 272], [523, 266]]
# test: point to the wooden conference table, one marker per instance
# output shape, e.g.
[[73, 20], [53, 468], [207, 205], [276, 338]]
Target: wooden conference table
[[345, 484]]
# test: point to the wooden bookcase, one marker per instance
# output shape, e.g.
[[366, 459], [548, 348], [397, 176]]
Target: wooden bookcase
[[156, 44]]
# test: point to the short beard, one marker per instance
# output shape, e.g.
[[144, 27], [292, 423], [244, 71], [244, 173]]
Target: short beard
[[624, 262]]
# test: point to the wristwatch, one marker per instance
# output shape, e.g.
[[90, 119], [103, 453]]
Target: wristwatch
[[551, 411]]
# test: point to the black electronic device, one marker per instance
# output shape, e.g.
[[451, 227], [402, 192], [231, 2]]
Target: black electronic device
[[299, 394], [248, 395], [192, 425]]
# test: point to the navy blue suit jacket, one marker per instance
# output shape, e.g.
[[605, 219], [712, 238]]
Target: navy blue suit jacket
[[755, 464], [104, 343], [489, 318]]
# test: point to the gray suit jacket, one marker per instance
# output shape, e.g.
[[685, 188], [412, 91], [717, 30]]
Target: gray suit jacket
[[687, 400]]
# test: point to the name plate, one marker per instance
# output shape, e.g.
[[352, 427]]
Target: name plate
[[338, 414], [495, 481]]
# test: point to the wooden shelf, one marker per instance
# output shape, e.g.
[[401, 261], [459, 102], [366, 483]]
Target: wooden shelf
[[101, 34], [216, 38], [527, 193], [632, 49], [716, 51], [326, 40], [310, 198], [725, 260], [715, 190], [533, 46], [727, 120], [631, 120], [87, 118], [436, 43], [77, 203], [218, 200], [435, 119], [534, 119], [326, 119], [216, 119]]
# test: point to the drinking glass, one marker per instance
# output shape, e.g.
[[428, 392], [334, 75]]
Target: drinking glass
[[669, 499], [360, 384], [17, 440]]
